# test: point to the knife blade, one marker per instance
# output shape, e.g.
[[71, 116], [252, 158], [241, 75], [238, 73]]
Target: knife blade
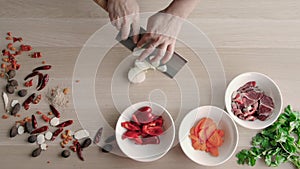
[[173, 65]]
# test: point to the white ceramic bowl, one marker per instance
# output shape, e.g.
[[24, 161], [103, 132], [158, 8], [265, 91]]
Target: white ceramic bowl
[[264, 83], [150, 152], [223, 121]]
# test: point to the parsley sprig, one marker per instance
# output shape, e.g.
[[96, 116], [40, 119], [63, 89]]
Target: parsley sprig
[[277, 144]]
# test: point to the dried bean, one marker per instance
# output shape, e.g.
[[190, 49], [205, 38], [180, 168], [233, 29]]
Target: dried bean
[[10, 89], [87, 142], [13, 131], [36, 152], [65, 153], [107, 148], [15, 109], [32, 138], [110, 139], [22, 92], [28, 127], [13, 83], [11, 74]]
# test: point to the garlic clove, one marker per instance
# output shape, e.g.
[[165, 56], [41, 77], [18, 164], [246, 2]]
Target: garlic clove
[[137, 51], [162, 68], [155, 64], [136, 75], [144, 65]]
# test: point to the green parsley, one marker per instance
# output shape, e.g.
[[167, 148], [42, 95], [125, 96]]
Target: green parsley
[[277, 144]]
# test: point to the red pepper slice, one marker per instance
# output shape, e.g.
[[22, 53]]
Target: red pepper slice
[[157, 122], [131, 135], [130, 126], [153, 131]]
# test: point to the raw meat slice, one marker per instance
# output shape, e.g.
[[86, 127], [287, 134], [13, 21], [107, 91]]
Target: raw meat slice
[[268, 101], [254, 95], [247, 85], [264, 110], [248, 102]]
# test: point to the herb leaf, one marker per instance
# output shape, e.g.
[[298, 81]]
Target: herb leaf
[[276, 144]]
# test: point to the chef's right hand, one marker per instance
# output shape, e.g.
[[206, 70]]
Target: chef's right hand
[[124, 15]]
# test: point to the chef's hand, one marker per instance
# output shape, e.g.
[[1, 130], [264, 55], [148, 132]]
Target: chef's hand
[[124, 15], [162, 30]]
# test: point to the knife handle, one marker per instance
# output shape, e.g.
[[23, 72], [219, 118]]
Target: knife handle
[[102, 4]]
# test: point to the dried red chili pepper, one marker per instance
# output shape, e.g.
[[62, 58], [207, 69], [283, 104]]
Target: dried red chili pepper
[[9, 46], [56, 133], [40, 80], [130, 126], [31, 75], [25, 48], [28, 83], [44, 82], [8, 33], [65, 124], [34, 122], [40, 130], [17, 39], [36, 55], [79, 151], [5, 52], [45, 67], [28, 101], [54, 111]]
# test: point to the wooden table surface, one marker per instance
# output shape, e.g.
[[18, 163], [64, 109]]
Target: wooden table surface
[[262, 36]]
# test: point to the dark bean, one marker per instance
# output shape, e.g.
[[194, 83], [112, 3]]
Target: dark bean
[[87, 142], [11, 74], [36, 152], [32, 139], [65, 153], [110, 139], [107, 148], [22, 92], [15, 109], [13, 131], [10, 89], [13, 83], [28, 127]]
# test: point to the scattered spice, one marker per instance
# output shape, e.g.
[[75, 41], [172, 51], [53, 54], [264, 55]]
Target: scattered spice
[[45, 118], [37, 99], [57, 98], [50, 113], [43, 62], [36, 55], [3, 66], [39, 113], [66, 91], [28, 83], [5, 116]]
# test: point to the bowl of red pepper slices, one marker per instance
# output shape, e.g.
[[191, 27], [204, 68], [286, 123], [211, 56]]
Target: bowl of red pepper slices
[[137, 150]]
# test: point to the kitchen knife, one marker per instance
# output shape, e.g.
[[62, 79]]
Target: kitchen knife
[[174, 64]]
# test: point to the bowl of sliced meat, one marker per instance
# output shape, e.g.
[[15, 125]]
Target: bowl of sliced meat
[[253, 100]]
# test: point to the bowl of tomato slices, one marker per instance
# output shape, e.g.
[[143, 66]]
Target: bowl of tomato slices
[[208, 136], [145, 131]]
